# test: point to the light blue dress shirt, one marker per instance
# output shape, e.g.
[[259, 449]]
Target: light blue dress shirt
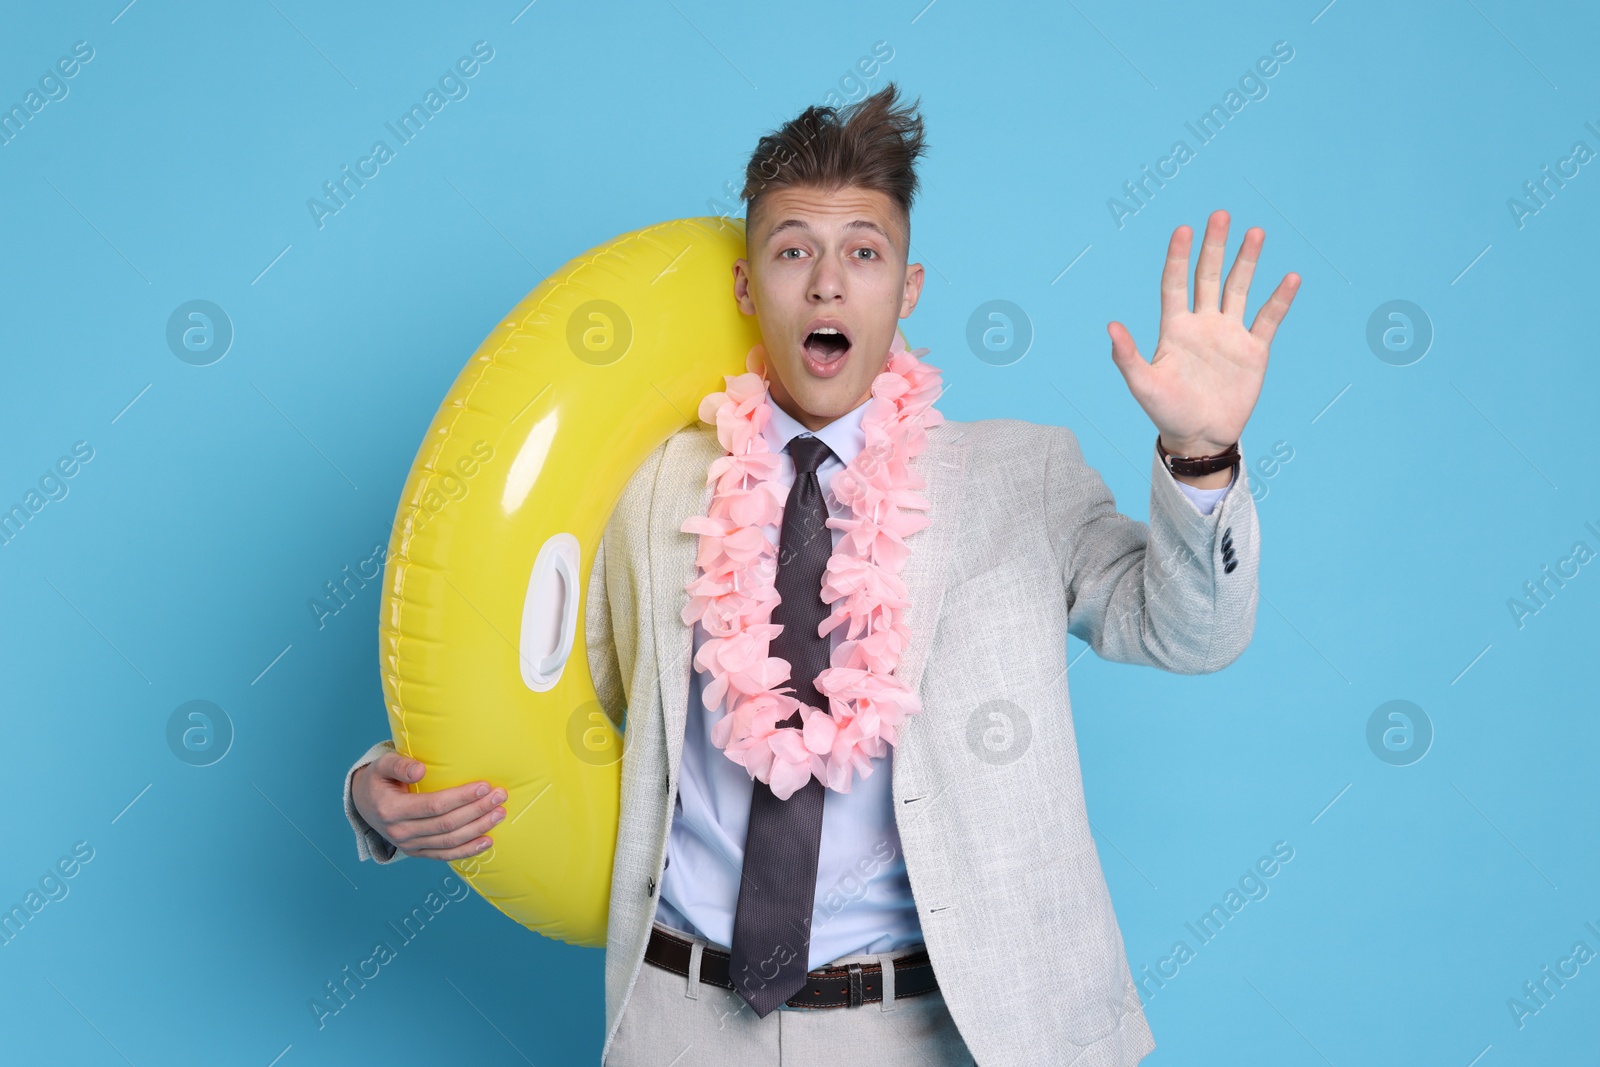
[[863, 901]]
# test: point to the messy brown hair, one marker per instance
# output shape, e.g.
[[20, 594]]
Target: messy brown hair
[[870, 144]]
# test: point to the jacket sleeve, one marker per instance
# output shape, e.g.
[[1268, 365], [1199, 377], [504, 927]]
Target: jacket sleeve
[[369, 843], [1178, 592]]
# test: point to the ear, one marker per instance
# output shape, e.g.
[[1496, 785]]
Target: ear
[[741, 286], [913, 290]]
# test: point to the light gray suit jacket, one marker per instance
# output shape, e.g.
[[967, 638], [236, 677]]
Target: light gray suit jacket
[[1025, 545]]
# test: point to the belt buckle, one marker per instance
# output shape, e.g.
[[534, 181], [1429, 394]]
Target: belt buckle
[[853, 972]]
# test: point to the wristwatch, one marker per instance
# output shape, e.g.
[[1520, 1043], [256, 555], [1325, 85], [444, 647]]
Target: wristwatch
[[1194, 466]]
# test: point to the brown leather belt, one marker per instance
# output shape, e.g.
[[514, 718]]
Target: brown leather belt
[[849, 986]]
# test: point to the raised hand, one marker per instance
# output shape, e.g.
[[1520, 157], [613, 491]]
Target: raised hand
[[1205, 377]]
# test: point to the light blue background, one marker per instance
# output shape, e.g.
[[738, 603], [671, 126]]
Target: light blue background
[[1419, 899]]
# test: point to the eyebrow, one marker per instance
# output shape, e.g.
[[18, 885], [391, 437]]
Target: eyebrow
[[855, 224]]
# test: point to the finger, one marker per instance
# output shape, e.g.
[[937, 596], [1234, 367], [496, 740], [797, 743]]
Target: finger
[[1208, 268], [1175, 274], [398, 768], [412, 829], [1276, 307], [1236, 293], [472, 848], [460, 836], [399, 807], [1125, 354]]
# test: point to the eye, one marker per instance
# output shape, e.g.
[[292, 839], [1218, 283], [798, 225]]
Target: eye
[[869, 251], [786, 251]]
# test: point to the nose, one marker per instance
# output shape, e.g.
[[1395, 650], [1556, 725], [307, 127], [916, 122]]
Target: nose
[[827, 281]]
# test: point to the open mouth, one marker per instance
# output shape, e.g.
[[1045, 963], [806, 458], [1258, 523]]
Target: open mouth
[[825, 347]]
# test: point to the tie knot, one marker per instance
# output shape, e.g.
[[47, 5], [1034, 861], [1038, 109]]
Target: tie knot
[[808, 454]]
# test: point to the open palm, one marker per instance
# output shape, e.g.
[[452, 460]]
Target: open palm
[[1205, 377]]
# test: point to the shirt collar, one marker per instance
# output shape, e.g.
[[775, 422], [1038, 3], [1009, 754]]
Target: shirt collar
[[843, 435]]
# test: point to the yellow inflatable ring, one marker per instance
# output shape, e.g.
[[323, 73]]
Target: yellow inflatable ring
[[499, 519], [481, 637]]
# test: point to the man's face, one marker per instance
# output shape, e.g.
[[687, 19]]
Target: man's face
[[826, 259]]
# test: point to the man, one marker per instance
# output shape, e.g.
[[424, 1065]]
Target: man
[[949, 908]]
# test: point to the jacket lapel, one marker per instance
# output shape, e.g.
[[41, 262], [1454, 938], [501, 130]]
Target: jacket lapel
[[943, 465], [681, 491]]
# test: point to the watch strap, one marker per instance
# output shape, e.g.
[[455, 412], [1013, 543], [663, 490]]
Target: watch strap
[[1194, 466]]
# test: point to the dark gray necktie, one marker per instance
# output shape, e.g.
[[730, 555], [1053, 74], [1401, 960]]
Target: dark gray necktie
[[772, 921]]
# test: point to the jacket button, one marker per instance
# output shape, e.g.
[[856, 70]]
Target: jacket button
[[651, 890], [1232, 563]]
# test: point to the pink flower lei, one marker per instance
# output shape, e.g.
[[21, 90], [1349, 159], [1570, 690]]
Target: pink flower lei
[[733, 592]]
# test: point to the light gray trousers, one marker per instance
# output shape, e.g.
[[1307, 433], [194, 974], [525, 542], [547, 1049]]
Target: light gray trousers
[[677, 1020]]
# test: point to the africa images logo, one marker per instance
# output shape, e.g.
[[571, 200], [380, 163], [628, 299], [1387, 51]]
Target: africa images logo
[[1205, 129], [452, 86]]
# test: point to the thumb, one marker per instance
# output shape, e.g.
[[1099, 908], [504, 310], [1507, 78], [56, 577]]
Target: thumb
[[399, 768], [1125, 354]]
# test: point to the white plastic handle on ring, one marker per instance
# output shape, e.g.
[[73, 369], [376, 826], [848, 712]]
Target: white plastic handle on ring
[[550, 613]]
